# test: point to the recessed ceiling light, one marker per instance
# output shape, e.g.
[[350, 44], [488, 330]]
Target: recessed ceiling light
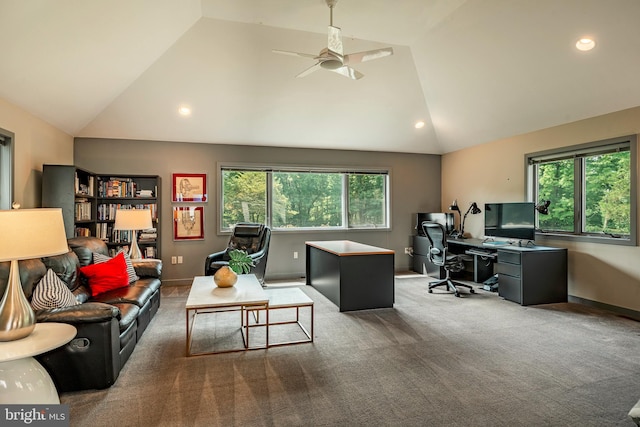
[[585, 44], [184, 110], [419, 124]]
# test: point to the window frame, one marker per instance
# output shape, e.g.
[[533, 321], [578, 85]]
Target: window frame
[[269, 169], [579, 153], [7, 174]]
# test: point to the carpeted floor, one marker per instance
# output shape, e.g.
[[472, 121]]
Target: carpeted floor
[[432, 360]]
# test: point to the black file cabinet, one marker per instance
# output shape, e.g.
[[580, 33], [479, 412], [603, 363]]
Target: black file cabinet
[[532, 276], [421, 263]]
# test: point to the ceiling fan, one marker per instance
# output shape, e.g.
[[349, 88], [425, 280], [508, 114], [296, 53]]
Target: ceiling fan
[[332, 57]]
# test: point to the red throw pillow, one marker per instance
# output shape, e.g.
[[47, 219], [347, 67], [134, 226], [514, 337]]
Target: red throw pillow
[[106, 276]]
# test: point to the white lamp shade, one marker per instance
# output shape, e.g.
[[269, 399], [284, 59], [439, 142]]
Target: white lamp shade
[[133, 219], [32, 233]]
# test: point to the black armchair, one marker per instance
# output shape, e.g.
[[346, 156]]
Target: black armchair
[[250, 237], [438, 255]]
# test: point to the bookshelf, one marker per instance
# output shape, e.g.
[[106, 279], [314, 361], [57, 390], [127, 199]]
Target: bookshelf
[[89, 202], [72, 189], [128, 192]]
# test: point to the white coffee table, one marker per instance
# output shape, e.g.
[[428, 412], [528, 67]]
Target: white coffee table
[[205, 297], [22, 378]]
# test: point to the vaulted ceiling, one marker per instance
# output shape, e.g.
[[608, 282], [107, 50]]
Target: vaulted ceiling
[[473, 70]]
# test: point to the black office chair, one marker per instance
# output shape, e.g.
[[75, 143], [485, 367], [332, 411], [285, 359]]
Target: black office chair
[[250, 237], [438, 255]]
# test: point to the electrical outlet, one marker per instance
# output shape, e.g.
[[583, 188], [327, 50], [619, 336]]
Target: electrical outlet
[[295, 255], [174, 260], [408, 251], [179, 259]]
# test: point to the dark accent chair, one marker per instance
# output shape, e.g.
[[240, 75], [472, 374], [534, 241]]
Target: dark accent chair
[[438, 255], [251, 237]]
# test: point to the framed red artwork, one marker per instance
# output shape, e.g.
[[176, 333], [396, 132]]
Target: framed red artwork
[[189, 187], [188, 223]]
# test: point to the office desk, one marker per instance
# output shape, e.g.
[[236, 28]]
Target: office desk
[[352, 275], [527, 275]]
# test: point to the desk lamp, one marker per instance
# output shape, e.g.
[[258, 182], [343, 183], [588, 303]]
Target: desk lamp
[[133, 220], [26, 234], [473, 209], [543, 207], [454, 207]]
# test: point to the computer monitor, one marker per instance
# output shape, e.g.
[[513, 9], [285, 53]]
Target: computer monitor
[[442, 218], [510, 220]]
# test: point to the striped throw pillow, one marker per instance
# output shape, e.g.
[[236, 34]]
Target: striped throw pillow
[[131, 272], [52, 292]]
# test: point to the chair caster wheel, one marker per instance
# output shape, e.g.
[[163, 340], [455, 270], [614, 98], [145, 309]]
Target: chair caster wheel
[[472, 291], [430, 291], [457, 294]]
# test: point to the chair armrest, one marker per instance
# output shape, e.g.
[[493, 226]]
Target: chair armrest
[[211, 258], [216, 256], [90, 312]]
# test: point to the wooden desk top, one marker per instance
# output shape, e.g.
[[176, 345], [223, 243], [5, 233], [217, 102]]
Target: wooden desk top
[[348, 248]]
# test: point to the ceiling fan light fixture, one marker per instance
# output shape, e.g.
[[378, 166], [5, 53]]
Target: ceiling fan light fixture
[[331, 64], [585, 44]]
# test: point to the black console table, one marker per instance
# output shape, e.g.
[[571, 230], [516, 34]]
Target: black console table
[[527, 275]]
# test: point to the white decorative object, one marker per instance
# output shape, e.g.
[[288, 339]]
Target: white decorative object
[[22, 378]]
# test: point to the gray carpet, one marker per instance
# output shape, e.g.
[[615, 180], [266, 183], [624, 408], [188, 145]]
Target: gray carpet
[[433, 360]]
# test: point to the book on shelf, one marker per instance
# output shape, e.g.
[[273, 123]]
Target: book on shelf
[[149, 252], [82, 210], [83, 231], [150, 234], [117, 187], [144, 193]]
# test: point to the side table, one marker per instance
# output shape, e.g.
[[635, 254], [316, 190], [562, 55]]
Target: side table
[[22, 378]]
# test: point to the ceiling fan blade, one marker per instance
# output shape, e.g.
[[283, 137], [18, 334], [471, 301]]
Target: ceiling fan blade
[[334, 43], [369, 55], [349, 72], [310, 70], [303, 55]]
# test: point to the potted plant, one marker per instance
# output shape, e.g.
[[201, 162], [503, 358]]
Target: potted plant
[[239, 263]]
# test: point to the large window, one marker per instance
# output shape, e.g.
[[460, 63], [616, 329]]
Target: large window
[[592, 190], [304, 199]]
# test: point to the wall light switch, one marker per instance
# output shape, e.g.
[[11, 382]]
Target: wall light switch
[[174, 260], [179, 259], [295, 255]]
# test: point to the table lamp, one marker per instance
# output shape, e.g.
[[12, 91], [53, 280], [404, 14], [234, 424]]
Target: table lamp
[[473, 209], [26, 234], [543, 207], [133, 220], [454, 207]]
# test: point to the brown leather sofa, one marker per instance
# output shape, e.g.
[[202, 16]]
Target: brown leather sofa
[[109, 324]]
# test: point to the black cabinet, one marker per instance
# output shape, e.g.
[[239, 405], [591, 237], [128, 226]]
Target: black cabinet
[[536, 275], [421, 263]]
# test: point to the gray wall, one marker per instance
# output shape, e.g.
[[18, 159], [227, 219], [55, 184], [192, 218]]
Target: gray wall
[[415, 187]]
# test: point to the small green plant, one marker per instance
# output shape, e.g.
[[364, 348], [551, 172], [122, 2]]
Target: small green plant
[[240, 262]]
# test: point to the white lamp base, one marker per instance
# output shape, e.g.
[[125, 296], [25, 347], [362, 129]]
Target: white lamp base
[[26, 381], [134, 251]]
